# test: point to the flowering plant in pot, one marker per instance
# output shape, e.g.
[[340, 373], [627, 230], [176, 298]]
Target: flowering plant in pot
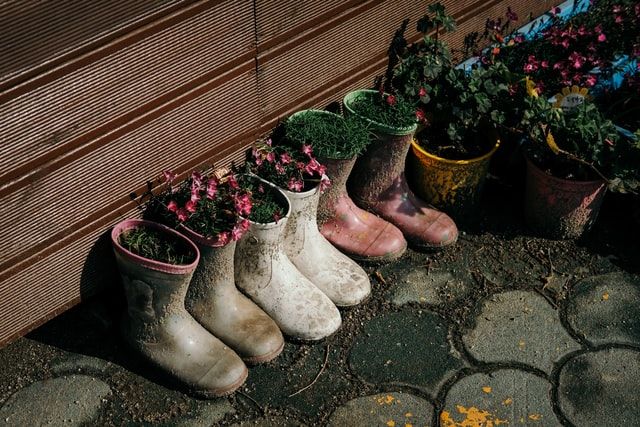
[[215, 208], [573, 154], [460, 112], [581, 51]]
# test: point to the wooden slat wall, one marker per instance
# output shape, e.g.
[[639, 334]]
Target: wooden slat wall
[[98, 97]]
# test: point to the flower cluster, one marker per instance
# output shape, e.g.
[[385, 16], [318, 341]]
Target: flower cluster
[[578, 52], [217, 208], [295, 169]]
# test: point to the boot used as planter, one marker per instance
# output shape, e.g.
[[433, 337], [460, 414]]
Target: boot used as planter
[[378, 184], [265, 273], [338, 277], [159, 327], [358, 233], [560, 208], [215, 302]]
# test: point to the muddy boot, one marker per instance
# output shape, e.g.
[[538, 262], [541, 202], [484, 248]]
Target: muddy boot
[[378, 184], [358, 233], [265, 273], [215, 302], [338, 277], [160, 328]]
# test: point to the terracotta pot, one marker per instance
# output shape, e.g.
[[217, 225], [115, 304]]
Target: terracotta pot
[[560, 208], [453, 186]]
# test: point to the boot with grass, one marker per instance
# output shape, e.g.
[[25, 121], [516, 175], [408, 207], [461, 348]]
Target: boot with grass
[[159, 327]]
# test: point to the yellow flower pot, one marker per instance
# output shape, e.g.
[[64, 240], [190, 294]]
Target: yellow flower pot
[[453, 186]]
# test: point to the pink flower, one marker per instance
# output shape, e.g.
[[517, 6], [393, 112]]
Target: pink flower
[[312, 167], [260, 188], [169, 176], [601, 38], [422, 92], [182, 214], [306, 149], [420, 115], [577, 60], [196, 179], [224, 238], [268, 142], [519, 38], [212, 187], [195, 196], [233, 183], [530, 68], [279, 168], [391, 100], [565, 43], [242, 204], [237, 232], [300, 165], [619, 19], [271, 157], [617, 8], [591, 80], [172, 206], [544, 64], [285, 158], [257, 157], [276, 216], [558, 66], [191, 206], [295, 185], [324, 183], [244, 224]]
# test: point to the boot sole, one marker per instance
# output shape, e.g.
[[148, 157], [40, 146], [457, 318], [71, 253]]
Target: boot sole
[[421, 246], [221, 392], [254, 360], [376, 259]]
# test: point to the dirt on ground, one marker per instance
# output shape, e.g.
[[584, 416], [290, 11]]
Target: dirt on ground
[[496, 251]]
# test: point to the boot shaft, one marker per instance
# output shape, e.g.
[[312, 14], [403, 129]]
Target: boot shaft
[[153, 289], [381, 164], [338, 172], [304, 208], [213, 279]]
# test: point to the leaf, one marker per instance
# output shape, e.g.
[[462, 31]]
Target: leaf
[[551, 142]]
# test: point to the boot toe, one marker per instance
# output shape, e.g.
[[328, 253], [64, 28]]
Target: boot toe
[[226, 375], [437, 234], [265, 343], [352, 291]]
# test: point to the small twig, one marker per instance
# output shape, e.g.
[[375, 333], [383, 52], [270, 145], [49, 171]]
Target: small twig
[[547, 297], [324, 365], [253, 400], [380, 278]]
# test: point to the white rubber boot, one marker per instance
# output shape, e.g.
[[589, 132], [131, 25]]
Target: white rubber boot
[[215, 302], [340, 278], [160, 328], [265, 273]]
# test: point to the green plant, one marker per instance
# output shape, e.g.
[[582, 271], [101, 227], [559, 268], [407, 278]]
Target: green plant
[[331, 136], [421, 63], [152, 244], [580, 144], [383, 108], [267, 206], [285, 163]]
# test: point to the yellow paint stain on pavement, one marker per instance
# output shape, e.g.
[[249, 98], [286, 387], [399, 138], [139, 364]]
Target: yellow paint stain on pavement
[[408, 415], [408, 425], [508, 401], [391, 423], [474, 417], [535, 417], [385, 400], [521, 344], [486, 389], [605, 296]]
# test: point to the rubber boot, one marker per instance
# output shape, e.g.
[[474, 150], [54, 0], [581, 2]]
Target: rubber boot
[[160, 328], [358, 233], [338, 277], [215, 302], [378, 184], [265, 273]]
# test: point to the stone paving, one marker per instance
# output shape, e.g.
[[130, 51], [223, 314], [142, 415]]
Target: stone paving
[[482, 337]]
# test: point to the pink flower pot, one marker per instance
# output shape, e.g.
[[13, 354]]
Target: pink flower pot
[[561, 208]]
